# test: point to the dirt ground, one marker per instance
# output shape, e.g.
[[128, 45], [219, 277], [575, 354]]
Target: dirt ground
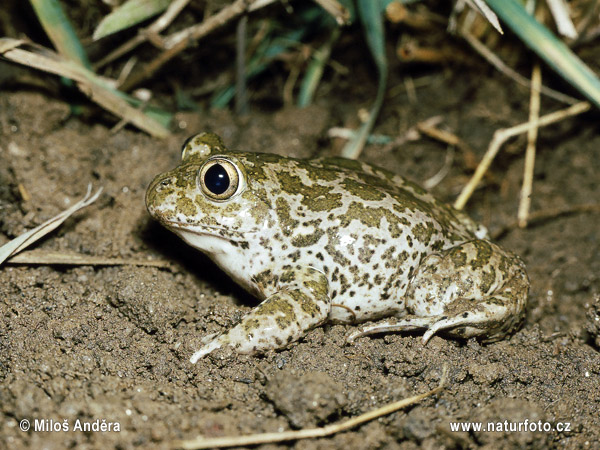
[[111, 344]]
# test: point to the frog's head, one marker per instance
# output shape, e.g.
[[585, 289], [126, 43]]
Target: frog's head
[[206, 200]]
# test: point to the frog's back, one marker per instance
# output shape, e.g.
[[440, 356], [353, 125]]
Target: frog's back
[[405, 192], [332, 187]]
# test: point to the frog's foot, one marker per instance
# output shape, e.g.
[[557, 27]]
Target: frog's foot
[[463, 325], [472, 290], [475, 289], [280, 319]]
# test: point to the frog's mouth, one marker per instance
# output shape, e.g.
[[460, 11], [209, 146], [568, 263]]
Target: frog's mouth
[[209, 239], [201, 230]]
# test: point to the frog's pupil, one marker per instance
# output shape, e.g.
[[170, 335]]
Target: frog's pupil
[[216, 179]]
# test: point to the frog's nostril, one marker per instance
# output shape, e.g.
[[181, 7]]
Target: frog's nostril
[[165, 183]]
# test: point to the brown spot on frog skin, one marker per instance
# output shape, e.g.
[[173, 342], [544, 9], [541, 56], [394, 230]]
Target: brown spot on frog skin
[[371, 217], [187, 207], [362, 191], [280, 309], [307, 240], [459, 257], [484, 253], [488, 278], [315, 197], [423, 232], [286, 223]]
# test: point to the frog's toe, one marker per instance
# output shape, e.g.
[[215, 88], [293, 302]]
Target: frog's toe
[[351, 337], [390, 325], [455, 324], [205, 350]]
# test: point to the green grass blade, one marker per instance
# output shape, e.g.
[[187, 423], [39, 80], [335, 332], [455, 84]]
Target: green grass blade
[[59, 30], [551, 49], [267, 51], [129, 14], [282, 38], [315, 69], [371, 17]]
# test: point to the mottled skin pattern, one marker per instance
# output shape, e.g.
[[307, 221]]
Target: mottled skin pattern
[[336, 240]]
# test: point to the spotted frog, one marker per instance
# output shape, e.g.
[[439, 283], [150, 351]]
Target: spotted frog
[[339, 241]]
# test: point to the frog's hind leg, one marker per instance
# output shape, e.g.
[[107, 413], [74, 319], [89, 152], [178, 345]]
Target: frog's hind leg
[[475, 289], [284, 317]]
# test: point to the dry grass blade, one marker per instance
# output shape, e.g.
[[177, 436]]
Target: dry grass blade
[[539, 217], [98, 89], [562, 18], [485, 10], [502, 135], [54, 258], [495, 61], [339, 12], [28, 238], [307, 433], [548, 47], [534, 115]]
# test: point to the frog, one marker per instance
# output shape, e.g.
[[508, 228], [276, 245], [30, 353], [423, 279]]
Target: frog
[[334, 240]]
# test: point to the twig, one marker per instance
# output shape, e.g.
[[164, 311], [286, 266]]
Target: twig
[[264, 438], [157, 26], [195, 32], [502, 135], [179, 41], [412, 51], [54, 258], [538, 217], [534, 115], [411, 92], [429, 128], [493, 59]]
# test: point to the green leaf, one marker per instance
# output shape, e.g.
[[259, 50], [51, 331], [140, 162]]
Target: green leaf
[[59, 30], [129, 14], [315, 69], [543, 42], [372, 20]]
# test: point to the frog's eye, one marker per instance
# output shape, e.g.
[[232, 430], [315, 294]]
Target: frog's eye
[[219, 179]]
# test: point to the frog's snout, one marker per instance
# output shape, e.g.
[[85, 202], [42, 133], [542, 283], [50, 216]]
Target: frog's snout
[[158, 188]]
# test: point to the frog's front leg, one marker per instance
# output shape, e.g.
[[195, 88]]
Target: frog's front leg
[[301, 304], [475, 289]]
